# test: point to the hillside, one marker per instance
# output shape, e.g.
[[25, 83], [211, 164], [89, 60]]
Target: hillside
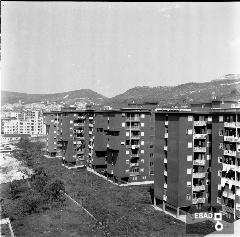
[[183, 94], [179, 95], [67, 97]]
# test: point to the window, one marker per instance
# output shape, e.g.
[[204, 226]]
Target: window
[[127, 162], [142, 142], [127, 152], [188, 197], [151, 155], [190, 118], [220, 132], [142, 151], [219, 159], [123, 124], [142, 134], [189, 144], [189, 183], [142, 160], [220, 118], [126, 171], [142, 124], [189, 171], [142, 115], [189, 131], [142, 170], [122, 143], [127, 134], [189, 158], [209, 119], [220, 145], [71, 121], [220, 173]]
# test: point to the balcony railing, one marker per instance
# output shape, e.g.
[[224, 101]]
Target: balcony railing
[[200, 123], [134, 173], [134, 119], [199, 162], [199, 149], [227, 209], [228, 195], [198, 200], [230, 124], [229, 153], [135, 155], [133, 128], [231, 139], [134, 164], [135, 146], [136, 137], [198, 175], [199, 136], [198, 188]]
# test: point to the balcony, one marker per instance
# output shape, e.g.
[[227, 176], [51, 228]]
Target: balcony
[[136, 137], [200, 123], [90, 125], [199, 136], [198, 188], [80, 138], [198, 175], [135, 155], [133, 128], [134, 164], [227, 209], [228, 195], [166, 135], [230, 124], [134, 173], [165, 148], [229, 153], [164, 185], [199, 162], [133, 119], [79, 124], [198, 200], [199, 149], [231, 139], [90, 118], [166, 123], [135, 146]]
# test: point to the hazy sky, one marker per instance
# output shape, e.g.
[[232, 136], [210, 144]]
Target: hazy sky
[[52, 47]]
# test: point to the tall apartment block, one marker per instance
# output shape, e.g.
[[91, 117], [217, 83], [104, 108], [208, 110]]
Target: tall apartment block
[[196, 158], [123, 144]]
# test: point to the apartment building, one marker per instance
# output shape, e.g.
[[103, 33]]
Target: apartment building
[[123, 144], [196, 158], [24, 122]]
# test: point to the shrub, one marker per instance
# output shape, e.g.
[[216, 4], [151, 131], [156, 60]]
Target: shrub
[[53, 189]]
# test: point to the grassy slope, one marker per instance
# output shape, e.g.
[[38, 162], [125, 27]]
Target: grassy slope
[[124, 211]]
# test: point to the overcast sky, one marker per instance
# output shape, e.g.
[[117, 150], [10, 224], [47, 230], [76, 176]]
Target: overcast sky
[[52, 47]]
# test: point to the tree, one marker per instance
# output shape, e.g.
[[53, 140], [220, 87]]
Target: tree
[[54, 189]]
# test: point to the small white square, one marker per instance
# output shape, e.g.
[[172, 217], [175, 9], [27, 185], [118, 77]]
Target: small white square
[[189, 158], [126, 171], [142, 134], [127, 134], [190, 132], [142, 124], [142, 151], [142, 160], [141, 170], [127, 162], [189, 183], [190, 118], [142, 143], [189, 171], [142, 115], [189, 144], [123, 124], [220, 118], [71, 121], [127, 152]]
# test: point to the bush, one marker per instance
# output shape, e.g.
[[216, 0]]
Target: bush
[[53, 190]]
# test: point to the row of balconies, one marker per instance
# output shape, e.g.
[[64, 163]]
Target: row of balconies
[[135, 119], [134, 164], [135, 173], [79, 124], [228, 181], [228, 194], [199, 136], [133, 128], [200, 123], [199, 149]]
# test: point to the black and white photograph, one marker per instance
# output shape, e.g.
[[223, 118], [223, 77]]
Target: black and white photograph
[[120, 119]]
